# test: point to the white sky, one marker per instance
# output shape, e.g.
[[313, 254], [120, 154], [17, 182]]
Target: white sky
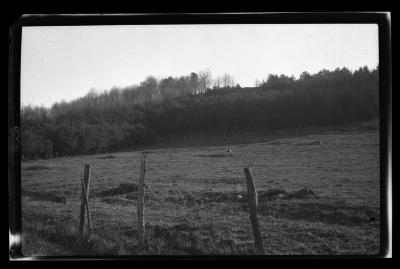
[[64, 62]]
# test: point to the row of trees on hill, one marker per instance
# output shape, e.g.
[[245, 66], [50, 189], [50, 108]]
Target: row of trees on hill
[[122, 119], [325, 98], [152, 89]]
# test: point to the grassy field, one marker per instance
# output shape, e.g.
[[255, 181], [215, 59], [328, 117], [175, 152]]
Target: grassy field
[[318, 195]]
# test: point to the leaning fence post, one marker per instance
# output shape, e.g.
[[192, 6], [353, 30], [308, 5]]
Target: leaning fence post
[[140, 203], [253, 203], [85, 194], [86, 198]]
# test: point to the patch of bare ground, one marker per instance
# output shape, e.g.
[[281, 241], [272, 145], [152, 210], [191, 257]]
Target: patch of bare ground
[[55, 197], [123, 188], [117, 201], [309, 143], [215, 155], [203, 197], [36, 167], [107, 157], [313, 211]]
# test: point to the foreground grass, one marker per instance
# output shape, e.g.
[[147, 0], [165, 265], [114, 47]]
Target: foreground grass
[[310, 226]]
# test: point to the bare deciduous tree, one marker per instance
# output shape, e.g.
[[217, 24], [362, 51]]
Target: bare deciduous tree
[[205, 80], [217, 82], [227, 80]]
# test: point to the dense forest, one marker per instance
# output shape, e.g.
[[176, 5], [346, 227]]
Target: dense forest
[[126, 118]]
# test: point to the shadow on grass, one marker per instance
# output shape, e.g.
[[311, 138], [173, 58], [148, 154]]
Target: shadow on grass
[[36, 167], [123, 188], [107, 157], [217, 155], [45, 196], [62, 233], [325, 213], [204, 197], [186, 239]]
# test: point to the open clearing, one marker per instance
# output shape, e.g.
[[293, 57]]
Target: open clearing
[[318, 195]]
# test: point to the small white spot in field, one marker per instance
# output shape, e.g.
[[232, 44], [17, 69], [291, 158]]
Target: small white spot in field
[[281, 196]]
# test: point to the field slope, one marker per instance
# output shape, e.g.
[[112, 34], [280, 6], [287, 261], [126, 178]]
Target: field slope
[[318, 195]]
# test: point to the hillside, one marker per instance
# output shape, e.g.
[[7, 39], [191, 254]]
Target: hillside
[[125, 119]]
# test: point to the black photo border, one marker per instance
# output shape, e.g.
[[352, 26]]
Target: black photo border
[[382, 19]]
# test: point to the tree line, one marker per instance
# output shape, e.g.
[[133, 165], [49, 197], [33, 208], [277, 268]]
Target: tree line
[[126, 118]]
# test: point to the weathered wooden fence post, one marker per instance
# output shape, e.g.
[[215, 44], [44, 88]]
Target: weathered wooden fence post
[[84, 200], [140, 203], [253, 203]]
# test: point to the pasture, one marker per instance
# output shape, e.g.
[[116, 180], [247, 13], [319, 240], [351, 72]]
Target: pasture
[[318, 195]]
